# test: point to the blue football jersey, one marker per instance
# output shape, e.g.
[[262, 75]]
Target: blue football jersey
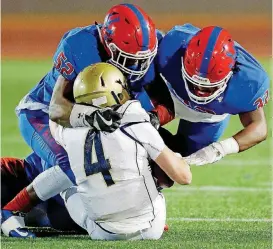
[[78, 48], [246, 91]]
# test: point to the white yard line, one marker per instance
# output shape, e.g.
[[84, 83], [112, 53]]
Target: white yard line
[[219, 189], [218, 219]]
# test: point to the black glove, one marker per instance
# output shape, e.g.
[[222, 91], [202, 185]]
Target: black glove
[[154, 120], [104, 119]]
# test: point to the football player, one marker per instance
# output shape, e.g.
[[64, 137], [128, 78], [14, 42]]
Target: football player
[[17, 174], [210, 77], [116, 197], [127, 39]]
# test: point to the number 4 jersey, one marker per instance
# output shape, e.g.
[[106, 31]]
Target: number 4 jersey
[[112, 169]]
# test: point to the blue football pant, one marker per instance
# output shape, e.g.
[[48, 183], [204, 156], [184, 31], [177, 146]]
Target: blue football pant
[[34, 127]]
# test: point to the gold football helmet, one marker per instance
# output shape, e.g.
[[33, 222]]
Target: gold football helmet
[[102, 85]]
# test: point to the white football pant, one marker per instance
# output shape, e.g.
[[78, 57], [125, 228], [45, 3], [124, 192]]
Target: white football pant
[[96, 231]]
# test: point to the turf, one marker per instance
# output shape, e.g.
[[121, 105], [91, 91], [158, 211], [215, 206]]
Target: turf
[[228, 204]]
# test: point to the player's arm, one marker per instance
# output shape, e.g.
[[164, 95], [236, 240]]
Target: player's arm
[[60, 107], [62, 110], [161, 99], [254, 132], [66, 113], [171, 163], [174, 166], [255, 129]]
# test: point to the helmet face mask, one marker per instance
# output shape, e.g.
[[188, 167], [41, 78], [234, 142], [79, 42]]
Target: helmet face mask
[[134, 66], [129, 37], [195, 85]]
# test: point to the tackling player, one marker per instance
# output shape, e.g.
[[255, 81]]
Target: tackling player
[[116, 197], [128, 39], [210, 77]]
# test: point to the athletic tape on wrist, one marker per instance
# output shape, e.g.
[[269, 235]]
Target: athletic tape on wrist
[[230, 146]]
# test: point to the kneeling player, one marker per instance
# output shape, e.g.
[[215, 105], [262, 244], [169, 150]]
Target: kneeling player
[[16, 174], [116, 197]]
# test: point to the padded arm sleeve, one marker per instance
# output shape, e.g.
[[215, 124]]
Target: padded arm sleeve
[[50, 183]]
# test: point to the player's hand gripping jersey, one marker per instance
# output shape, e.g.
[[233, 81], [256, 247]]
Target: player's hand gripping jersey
[[112, 171], [246, 90]]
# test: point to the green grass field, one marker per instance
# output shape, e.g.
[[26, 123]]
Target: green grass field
[[228, 204]]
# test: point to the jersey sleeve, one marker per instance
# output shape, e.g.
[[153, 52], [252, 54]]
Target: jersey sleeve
[[64, 62], [256, 98], [261, 97], [159, 35], [77, 50], [150, 139]]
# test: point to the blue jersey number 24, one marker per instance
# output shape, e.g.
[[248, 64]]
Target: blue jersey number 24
[[93, 141]]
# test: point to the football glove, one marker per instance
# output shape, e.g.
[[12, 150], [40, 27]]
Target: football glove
[[104, 119], [209, 154], [214, 152]]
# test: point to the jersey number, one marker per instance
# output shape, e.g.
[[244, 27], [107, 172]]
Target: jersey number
[[260, 102], [93, 147], [63, 65]]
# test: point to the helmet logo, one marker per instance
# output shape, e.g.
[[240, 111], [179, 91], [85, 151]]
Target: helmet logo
[[108, 21], [200, 79]]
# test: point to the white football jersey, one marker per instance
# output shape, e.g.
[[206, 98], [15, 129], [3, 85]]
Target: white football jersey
[[112, 169]]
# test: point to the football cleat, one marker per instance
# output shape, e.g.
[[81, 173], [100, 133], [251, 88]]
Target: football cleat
[[13, 225]]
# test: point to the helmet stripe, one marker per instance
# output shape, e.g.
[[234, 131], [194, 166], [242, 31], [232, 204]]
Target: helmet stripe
[[208, 52], [143, 24]]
